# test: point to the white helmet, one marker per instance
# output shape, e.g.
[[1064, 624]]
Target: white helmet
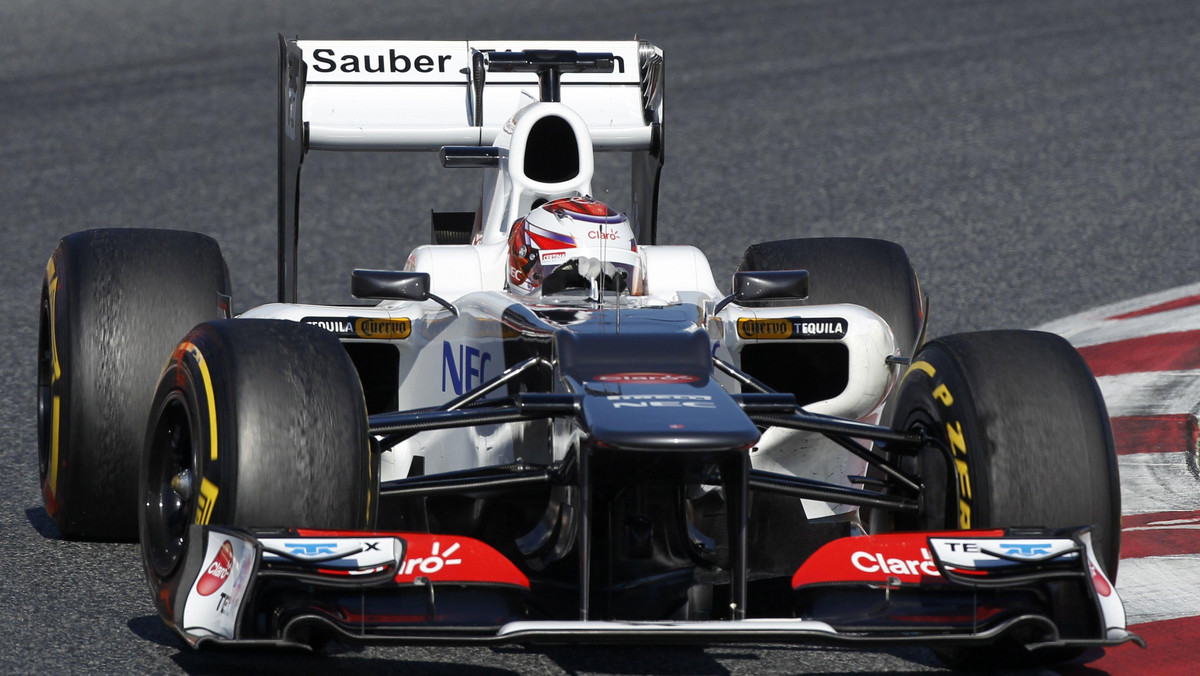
[[567, 243]]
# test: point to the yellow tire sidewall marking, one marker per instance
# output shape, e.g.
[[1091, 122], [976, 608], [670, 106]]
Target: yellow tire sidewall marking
[[56, 375], [922, 366], [957, 442], [208, 397], [206, 501], [207, 498]]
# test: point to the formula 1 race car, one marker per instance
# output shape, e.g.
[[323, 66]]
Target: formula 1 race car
[[550, 428]]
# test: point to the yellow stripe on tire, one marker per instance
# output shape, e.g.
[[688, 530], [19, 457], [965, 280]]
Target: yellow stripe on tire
[[922, 366], [56, 407], [208, 395], [206, 502]]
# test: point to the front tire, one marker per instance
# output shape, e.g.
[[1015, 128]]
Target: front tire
[[255, 423], [1030, 442]]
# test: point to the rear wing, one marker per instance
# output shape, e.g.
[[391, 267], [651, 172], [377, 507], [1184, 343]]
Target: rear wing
[[376, 95]]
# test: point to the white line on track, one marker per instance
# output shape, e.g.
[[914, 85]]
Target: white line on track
[[1159, 587], [1151, 392], [1111, 331], [1157, 482], [1163, 587], [1094, 326]]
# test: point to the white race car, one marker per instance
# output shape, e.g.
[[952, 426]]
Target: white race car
[[551, 428]]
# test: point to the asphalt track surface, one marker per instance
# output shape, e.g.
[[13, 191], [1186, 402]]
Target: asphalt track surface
[[1036, 158]]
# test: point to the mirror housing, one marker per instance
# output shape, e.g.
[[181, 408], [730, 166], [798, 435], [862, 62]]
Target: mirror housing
[[389, 285], [394, 285], [754, 285]]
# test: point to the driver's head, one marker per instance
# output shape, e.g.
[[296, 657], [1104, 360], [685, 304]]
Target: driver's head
[[563, 244]]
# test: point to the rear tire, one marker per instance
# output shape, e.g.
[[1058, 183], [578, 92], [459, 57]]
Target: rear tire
[[290, 447], [114, 304], [1032, 446], [873, 273]]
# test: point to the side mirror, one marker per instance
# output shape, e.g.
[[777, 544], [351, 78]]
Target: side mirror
[[389, 285], [394, 285], [766, 285]]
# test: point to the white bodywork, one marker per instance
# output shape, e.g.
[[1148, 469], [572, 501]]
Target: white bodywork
[[443, 356], [347, 108]]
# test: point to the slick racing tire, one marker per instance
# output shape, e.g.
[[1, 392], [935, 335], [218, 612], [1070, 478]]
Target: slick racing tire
[[1031, 445], [873, 273], [114, 304], [255, 423]]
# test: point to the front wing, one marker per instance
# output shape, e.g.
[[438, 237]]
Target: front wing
[[1038, 587]]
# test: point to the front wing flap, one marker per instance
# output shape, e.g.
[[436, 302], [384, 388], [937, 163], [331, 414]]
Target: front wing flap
[[294, 587], [965, 583], [277, 586]]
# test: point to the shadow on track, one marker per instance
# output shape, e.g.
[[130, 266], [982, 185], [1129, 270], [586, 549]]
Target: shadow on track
[[41, 522]]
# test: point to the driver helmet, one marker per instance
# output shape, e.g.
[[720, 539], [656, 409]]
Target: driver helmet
[[567, 243]]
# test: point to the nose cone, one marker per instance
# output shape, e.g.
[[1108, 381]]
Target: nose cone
[[661, 413]]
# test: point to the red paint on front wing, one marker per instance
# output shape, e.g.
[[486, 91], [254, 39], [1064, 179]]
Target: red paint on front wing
[[386, 619], [451, 558], [1101, 583], [880, 559], [444, 558], [217, 571]]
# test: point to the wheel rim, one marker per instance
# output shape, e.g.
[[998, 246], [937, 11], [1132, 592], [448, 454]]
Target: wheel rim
[[938, 507], [933, 476], [170, 486]]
